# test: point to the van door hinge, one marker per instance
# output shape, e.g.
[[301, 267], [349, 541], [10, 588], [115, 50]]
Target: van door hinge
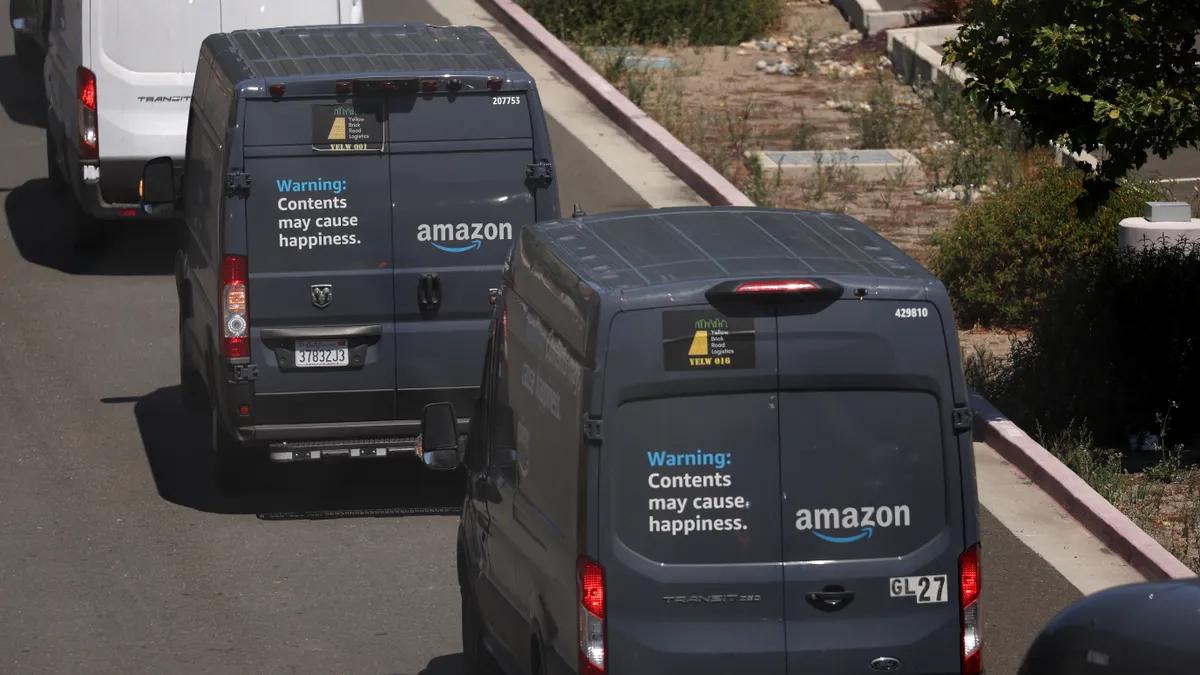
[[593, 428], [963, 419], [236, 181], [541, 173], [245, 373]]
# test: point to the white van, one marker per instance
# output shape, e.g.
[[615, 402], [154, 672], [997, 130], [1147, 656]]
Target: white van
[[118, 76]]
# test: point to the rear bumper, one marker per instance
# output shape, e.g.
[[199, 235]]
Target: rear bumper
[[108, 188]]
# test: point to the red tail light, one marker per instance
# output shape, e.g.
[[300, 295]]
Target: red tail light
[[235, 320], [797, 286], [593, 655], [970, 585], [89, 131], [494, 83], [429, 85]]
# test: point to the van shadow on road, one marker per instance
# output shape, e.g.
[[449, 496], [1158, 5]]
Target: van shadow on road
[[176, 442], [38, 221], [450, 664], [22, 94]]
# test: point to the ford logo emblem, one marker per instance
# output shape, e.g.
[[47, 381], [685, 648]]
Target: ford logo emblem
[[885, 663]]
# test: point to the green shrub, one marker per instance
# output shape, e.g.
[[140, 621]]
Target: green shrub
[[1113, 346], [1002, 256], [599, 22]]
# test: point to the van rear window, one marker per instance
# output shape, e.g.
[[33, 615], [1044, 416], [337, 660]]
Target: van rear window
[[370, 121], [695, 479], [863, 473]]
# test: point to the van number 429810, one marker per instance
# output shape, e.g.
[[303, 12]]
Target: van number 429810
[[912, 312], [506, 100]]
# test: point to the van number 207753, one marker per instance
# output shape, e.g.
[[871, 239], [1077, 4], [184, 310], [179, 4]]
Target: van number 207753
[[912, 312], [506, 100]]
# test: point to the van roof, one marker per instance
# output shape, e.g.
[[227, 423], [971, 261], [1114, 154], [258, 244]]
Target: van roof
[[375, 50], [638, 249]]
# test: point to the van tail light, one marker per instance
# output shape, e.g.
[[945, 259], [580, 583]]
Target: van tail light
[[89, 131], [777, 289], [592, 634], [794, 286], [235, 322], [970, 583]]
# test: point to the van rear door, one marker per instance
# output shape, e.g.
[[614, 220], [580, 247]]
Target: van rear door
[[458, 167], [690, 512], [144, 55], [319, 239], [872, 492]]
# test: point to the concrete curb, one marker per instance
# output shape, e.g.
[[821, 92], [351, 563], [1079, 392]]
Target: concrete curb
[[1083, 503], [869, 18], [694, 171], [1078, 498]]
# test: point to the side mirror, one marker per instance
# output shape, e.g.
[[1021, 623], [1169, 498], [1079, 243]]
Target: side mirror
[[438, 444], [158, 185]]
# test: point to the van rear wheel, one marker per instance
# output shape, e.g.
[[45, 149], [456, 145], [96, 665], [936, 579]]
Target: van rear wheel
[[477, 660]]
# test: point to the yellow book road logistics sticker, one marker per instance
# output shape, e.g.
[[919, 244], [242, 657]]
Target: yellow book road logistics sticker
[[702, 340]]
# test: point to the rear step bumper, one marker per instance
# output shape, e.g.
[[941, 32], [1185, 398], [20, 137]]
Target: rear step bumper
[[350, 440]]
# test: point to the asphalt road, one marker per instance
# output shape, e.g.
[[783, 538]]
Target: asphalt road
[[117, 557]]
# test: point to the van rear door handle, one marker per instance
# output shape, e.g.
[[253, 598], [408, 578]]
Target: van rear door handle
[[429, 291], [830, 598]]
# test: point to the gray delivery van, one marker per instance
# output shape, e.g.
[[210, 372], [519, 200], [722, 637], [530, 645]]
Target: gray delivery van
[[714, 441], [348, 195]]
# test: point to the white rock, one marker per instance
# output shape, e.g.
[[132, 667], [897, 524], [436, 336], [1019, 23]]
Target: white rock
[[760, 65], [742, 52]]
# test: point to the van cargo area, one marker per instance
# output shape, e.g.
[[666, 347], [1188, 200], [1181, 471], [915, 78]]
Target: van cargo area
[[777, 439]]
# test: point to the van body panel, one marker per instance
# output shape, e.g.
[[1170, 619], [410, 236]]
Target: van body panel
[[250, 14], [691, 587]]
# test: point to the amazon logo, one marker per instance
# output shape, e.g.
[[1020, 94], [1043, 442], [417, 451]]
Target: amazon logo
[[852, 523]]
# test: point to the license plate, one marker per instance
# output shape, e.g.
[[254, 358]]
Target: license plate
[[322, 353], [924, 589]]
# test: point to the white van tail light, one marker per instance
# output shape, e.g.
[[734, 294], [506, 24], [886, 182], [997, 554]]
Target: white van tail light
[[235, 322], [592, 633], [89, 132], [970, 583]]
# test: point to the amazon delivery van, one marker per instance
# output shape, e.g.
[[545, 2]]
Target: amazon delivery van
[[118, 79], [348, 199], [717, 440]]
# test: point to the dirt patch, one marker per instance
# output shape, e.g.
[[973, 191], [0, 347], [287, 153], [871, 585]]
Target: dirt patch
[[813, 85]]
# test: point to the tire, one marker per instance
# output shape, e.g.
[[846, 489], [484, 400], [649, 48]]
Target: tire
[[477, 660], [58, 182], [230, 461], [195, 394]]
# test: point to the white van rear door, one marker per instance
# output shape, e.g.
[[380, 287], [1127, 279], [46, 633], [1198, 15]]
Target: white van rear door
[[144, 57], [250, 14]]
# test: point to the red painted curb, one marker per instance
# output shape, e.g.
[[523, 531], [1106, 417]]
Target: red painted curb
[[1083, 503], [695, 172], [1053, 477]]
